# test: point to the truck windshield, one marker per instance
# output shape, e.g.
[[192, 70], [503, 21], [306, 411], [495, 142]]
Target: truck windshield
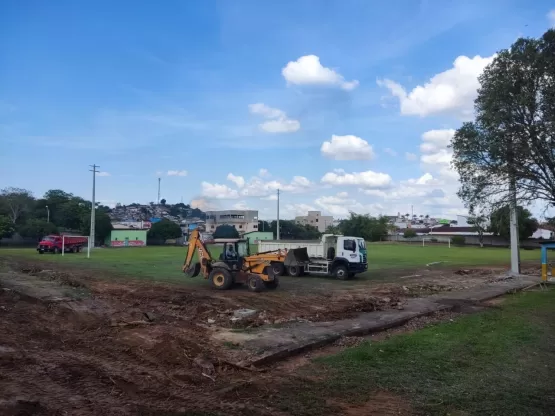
[[48, 239], [361, 244]]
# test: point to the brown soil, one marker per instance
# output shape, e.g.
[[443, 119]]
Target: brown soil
[[133, 348]]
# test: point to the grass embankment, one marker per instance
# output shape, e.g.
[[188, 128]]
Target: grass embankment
[[499, 362], [164, 263]]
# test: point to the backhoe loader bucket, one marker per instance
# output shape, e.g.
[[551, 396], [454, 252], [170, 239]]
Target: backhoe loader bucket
[[193, 270], [296, 257]]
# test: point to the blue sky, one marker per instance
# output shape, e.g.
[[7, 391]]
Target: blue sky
[[344, 105]]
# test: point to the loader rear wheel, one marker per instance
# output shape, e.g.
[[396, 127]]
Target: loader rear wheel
[[272, 284], [220, 279], [255, 283], [294, 271], [278, 269]]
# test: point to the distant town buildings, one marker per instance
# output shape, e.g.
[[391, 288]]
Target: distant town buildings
[[316, 219], [243, 220]]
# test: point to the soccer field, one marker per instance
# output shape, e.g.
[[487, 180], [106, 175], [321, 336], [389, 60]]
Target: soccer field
[[164, 263]]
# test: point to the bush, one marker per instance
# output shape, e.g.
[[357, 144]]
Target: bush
[[458, 240], [409, 233]]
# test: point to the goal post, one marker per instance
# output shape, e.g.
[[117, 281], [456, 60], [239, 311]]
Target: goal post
[[436, 240], [87, 244]]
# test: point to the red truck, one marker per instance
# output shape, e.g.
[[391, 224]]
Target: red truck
[[53, 244]]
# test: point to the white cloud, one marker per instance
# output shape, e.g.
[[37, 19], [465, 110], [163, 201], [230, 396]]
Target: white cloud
[[367, 179], [263, 173], [294, 210], [435, 140], [261, 187], [347, 148], [102, 174], [410, 156], [307, 70], [203, 204], [217, 191], [451, 91], [390, 151], [241, 205], [239, 181], [177, 173], [284, 125], [551, 17], [272, 197], [265, 111], [278, 121]]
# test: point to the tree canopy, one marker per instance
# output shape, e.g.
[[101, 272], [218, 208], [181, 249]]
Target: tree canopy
[[225, 231], [500, 221], [365, 226], [512, 137], [164, 230]]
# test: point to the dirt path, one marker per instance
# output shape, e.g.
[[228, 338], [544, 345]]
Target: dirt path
[[96, 346]]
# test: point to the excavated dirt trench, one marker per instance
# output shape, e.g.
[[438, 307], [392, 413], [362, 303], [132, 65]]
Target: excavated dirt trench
[[126, 347]]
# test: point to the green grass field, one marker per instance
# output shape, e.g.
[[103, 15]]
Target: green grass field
[[164, 263], [499, 362]]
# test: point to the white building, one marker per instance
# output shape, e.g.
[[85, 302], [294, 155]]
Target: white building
[[316, 219], [243, 220]]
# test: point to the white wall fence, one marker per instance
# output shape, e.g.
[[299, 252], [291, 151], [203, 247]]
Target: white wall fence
[[472, 240]]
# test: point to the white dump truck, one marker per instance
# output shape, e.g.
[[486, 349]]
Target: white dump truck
[[333, 255]]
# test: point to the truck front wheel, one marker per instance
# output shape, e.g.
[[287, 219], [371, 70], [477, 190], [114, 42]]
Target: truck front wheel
[[341, 272], [294, 271]]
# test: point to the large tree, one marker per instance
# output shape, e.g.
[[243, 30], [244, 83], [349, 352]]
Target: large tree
[[365, 226], [164, 230], [37, 228], [102, 225], [14, 202], [512, 139], [225, 231], [7, 228], [527, 224]]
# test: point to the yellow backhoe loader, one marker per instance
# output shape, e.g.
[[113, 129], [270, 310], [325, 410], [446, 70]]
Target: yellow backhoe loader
[[235, 264]]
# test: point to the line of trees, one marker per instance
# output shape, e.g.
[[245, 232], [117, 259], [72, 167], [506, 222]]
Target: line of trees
[[56, 211]]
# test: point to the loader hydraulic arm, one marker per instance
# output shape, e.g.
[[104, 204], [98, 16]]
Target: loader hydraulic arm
[[204, 258]]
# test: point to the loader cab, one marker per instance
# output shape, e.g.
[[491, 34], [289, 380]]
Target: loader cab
[[234, 251]]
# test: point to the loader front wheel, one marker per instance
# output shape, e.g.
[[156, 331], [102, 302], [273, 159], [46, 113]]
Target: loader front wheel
[[220, 279], [255, 283]]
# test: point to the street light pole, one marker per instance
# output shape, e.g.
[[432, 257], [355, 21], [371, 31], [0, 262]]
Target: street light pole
[[93, 208], [47, 214]]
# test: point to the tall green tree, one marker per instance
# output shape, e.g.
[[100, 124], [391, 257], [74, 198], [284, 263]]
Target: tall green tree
[[102, 225], [225, 231], [365, 226], [7, 228], [15, 202], [37, 228], [500, 222], [164, 230], [513, 135]]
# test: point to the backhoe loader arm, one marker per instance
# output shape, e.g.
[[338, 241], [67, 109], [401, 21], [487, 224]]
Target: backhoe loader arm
[[204, 258]]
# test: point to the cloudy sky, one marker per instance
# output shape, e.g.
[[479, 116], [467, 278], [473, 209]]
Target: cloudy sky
[[342, 105]]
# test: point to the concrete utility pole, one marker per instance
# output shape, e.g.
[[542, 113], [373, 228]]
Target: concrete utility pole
[[93, 207], [277, 228], [515, 244], [47, 214]]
